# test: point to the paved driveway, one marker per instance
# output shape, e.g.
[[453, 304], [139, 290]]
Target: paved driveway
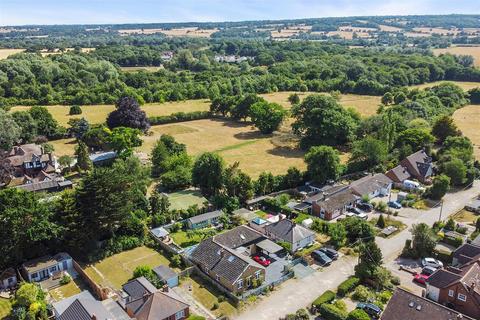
[[275, 270], [299, 293]]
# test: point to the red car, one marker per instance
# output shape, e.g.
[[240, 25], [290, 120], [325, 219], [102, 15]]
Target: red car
[[263, 261], [420, 278]]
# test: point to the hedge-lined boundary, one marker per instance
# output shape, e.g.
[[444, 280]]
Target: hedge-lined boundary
[[180, 117]]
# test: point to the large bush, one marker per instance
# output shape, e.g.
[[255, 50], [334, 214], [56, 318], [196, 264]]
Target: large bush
[[326, 297], [358, 314], [180, 117], [347, 286], [331, 312]]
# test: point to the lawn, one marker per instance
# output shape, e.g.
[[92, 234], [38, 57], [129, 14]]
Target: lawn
[[389, 222], [467, 120], [365, 105], [67, 290], [302, 216], [207, 295], [186, 198], [234, 141], [99, 113], [182, 239], [261, 214], [116, 270], [465, 216], [5, 307], [462, 84]]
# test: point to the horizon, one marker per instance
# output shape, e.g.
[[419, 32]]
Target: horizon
[[110, 12]]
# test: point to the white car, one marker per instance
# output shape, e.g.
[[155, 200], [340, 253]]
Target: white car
[[431, 262]]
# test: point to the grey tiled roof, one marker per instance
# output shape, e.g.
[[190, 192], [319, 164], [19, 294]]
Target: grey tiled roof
[[85, 309], [205, 216], [138, 287], [289, 231], [338, 200], [407, 306], [369, 184], [467, 250], [239, 236]]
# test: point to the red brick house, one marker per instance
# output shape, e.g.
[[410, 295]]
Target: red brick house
[[457, 288]]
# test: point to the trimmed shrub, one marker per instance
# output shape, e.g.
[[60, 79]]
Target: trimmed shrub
[[331, 312], [358, 314], [326, 297], [361, 294], [347, 286]]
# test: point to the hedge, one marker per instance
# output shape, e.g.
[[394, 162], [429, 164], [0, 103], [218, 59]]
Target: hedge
[[326, 297], [330, 312], [358, 314], [180, 117], [347, 286]]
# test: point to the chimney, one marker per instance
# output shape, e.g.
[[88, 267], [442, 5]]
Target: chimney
[[165, 288], [94, 317]]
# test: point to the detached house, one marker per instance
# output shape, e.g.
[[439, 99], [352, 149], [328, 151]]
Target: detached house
[[45, 267], [372, 186], [204, 220], [457, 288], [419, 166], [405, 305], [332, 205], [288, 231], [8, 279], [30, 161], [226, 258], [142, 301]]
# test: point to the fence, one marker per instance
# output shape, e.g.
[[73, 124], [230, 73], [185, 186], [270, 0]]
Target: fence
[[100, 292], [268, 286]]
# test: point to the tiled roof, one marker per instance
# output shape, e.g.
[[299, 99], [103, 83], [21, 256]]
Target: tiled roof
[[138, 287], [338, 200], [420, 162], [7, 273], [85, 308], [206, 216], [466, 252], [289, 231], [370, 183], [44, 262], [398, 174], [407, 306], [160, 305], [443, 278], [238, 237]]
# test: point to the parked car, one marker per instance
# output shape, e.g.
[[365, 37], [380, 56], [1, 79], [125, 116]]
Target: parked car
[[420, 278], [394, 204], [331, 253], [367, 207], [431, 262], [262, 260], [363, 216], [321, 258], [372, 310], [428, 270], [354, 210]]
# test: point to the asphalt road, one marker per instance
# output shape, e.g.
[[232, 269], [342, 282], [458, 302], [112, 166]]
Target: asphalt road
[[299, 293]]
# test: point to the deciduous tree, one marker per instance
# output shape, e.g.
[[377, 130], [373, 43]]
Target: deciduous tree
[[323, 163]]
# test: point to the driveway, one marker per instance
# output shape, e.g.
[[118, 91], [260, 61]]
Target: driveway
[[275, 270], [299, 293]]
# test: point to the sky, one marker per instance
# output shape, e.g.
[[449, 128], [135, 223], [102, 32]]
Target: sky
[[23, 12]]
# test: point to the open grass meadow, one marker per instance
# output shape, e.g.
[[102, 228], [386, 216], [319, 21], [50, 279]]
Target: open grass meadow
[[462, 84], [473, 51], [98, 113], [5, 308], [5, 53], [365, 105], [467, 119], [116, 270]]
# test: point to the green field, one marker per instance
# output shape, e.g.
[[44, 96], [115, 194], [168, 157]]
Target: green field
[[116, 270], [5, 307], [184, 199]]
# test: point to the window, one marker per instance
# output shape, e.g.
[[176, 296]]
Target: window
[[462, 297], [257, 274], [450, 293], [34, 275], [54, 268], [10, 280], [240, 284], [179, 314]]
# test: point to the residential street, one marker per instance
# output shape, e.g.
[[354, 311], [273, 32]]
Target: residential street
[[299, 293]]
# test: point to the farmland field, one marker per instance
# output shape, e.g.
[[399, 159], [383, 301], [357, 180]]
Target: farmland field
[[462, 84], [467, 120], [473, 51], [365, 105], [99, 113], [174, 32], [4, 53], [115, 270]]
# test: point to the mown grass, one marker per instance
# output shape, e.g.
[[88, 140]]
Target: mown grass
[[467, 119], [184, 199], [116, 270]]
